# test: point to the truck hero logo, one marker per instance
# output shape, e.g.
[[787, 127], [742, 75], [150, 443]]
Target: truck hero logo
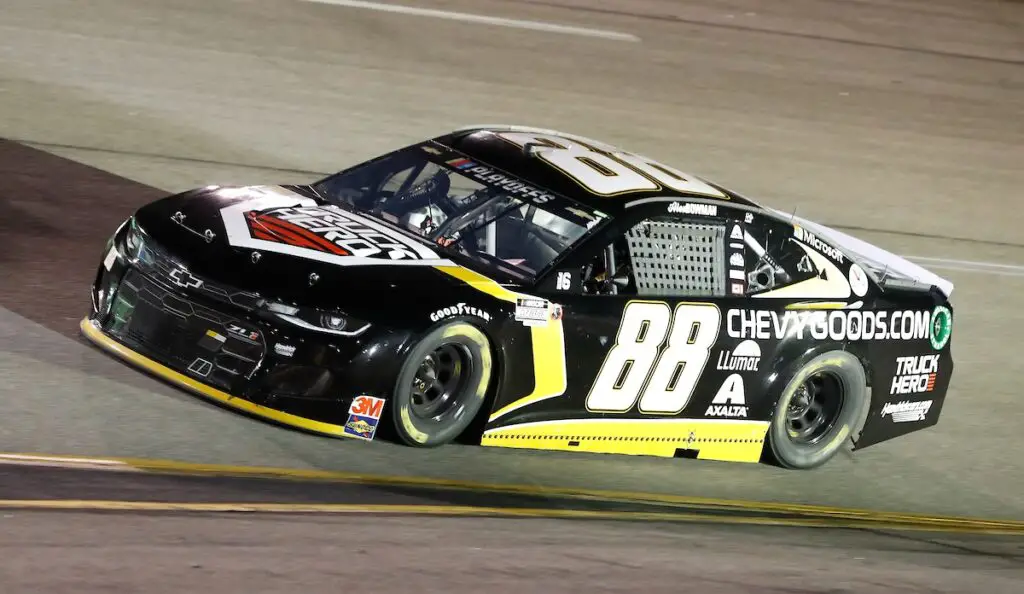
[[326, 229], [837, 325], [915, 375]]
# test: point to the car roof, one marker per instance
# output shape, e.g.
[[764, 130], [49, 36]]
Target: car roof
[[491, 145]]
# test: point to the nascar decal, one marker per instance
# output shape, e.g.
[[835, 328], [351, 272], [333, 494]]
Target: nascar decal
[[287, 223]]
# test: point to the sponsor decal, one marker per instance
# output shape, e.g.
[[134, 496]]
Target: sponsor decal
[[285, 350], [461, 163], [431, 150], [328, 229], [730, 401], [736, 233], [532, 311], [942, 327], [915, 375], [212, 341], [690, 208], [745, 357], [108, 262], [237, 330], [837, 324], [491, 177], [812, 240], [737, 275], [748, 218], [858, 280], [184, 278], [736, 260], [275, 219], [460, 309], [736, 289], [907, 411], [363, 417]]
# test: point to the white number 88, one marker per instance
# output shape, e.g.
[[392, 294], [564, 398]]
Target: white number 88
[[633, 368]]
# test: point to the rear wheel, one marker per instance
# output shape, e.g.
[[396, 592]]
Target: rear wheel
[[442, 385], [819, 409]]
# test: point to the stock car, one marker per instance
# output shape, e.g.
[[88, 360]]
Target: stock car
[[527, 288]]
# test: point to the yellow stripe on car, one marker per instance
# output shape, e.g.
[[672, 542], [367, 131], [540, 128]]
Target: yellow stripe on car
[[548, 341], [97, 336], [713, 439]]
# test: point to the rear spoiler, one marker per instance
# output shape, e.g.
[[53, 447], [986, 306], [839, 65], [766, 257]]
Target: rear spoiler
[[897, 270]]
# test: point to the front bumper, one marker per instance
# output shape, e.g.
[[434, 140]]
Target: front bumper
[[91, 329], [213, 341]]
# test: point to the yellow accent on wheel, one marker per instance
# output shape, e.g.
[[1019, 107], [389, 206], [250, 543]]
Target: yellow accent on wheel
[[713, 439]]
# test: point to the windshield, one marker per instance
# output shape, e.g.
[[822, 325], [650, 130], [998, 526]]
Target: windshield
[[464, 206]]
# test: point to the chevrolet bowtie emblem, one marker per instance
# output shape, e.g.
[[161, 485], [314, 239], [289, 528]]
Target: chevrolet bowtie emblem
[[184, 278]]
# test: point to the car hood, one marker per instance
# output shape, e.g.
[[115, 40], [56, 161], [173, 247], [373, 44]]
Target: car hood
[[281, 244], [875, 259]]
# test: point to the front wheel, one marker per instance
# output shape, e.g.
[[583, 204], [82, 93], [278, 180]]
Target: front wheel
[[442, 385], [819, 410]]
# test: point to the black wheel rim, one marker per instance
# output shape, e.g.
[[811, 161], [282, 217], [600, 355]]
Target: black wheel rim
[[440, 380], [815, 408]]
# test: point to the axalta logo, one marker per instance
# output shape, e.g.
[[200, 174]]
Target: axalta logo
[[745, 357], [906, 411], [708, 210], [810, 239], [915, 375], [730, 401], [460, 309]]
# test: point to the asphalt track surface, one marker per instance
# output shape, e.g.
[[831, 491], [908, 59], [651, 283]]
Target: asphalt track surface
[[902, 121]]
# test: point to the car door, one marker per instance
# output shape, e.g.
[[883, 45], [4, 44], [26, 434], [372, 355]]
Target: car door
[[643, 317]]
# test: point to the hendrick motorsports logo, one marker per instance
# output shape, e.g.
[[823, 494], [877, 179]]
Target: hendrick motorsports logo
[[942, 327], [906, 411]]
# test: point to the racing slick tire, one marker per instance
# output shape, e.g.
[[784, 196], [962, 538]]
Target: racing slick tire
[[820, 408], [442, 385]]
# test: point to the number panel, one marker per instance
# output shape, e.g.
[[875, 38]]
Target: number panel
[[694, 332], [624, 373], [612, 174]]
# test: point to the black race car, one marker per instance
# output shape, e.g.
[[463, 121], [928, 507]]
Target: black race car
[[527, 288]]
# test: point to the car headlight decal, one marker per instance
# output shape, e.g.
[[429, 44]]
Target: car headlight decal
[[330, 322]]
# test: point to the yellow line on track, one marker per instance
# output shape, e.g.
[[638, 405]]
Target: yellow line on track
[[831, 515], [467, 511]]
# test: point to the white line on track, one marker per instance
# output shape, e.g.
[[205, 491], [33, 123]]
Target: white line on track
[[482, 19], [968, 266]]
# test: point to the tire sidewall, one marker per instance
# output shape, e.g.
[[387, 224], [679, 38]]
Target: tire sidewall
[[849, 370], [415, 431]]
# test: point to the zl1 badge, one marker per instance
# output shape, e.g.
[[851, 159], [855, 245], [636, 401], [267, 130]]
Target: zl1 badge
[[363, 417]]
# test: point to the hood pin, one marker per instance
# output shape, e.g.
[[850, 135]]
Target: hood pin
[[313, 277], [256, 257]]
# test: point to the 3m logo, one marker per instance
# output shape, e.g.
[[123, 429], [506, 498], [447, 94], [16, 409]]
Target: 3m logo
[[367, 406]]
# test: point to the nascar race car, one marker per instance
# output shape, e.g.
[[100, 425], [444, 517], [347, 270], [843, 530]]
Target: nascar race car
[[527, 288]]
